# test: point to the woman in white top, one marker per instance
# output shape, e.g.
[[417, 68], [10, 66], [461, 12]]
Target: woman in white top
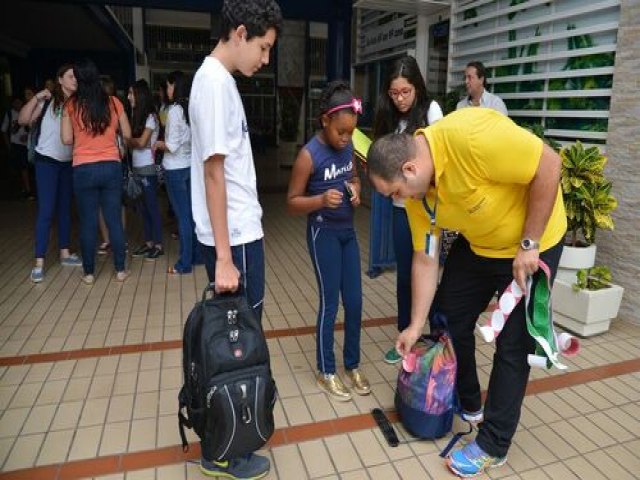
[[145, 127], [403, 105], [177, 166], [52, 163]]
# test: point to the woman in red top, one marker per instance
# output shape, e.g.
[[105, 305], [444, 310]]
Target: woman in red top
[[90, 121]]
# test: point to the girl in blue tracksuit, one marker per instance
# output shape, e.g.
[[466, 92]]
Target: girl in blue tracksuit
[[324, 185]]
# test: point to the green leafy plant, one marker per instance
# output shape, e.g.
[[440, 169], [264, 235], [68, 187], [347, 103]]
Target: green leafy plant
[[538, 130], [586, 192], [594, 278], [452, 98]]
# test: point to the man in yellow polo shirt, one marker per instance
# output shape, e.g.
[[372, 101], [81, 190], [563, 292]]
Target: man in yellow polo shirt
[[478, 173]]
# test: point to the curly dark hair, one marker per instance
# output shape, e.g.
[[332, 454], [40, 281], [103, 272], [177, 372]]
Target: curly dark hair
[[387, 115], [257, 16], [335, 93]]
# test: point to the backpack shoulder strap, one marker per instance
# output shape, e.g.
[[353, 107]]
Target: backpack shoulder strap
[[38, 124], [45, 105]]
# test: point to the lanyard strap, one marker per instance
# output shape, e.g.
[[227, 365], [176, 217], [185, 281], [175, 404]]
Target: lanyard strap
[[431, 243], [549, 345]]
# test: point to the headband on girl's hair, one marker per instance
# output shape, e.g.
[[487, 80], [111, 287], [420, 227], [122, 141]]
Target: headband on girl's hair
[[355, 105]]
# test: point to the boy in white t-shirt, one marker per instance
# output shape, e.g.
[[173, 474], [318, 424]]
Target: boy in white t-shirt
[[224, 195]]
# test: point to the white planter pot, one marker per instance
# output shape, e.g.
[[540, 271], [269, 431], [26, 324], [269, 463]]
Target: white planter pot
[[579, 328], [578, 257], [585, 312]]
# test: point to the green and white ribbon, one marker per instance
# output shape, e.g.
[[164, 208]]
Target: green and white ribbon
[[549, 345]]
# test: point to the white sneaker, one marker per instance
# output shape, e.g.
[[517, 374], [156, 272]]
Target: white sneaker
[[37, 274]]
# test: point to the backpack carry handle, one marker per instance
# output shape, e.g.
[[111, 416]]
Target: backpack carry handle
[[211, 288]]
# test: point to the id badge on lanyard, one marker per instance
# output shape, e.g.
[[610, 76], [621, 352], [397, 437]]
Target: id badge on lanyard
[[431, 244]]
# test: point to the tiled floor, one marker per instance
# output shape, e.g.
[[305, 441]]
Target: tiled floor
[[89, 377]]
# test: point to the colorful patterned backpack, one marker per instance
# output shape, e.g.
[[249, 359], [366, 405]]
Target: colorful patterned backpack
[[426, 398]]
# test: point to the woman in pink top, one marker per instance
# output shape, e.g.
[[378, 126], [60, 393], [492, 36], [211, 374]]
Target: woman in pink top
[[90, 121]]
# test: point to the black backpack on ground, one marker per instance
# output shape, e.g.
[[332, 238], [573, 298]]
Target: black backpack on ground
[[228, 393]]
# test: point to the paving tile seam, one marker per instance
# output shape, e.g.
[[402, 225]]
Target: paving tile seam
[[161, 346], [114, 464]]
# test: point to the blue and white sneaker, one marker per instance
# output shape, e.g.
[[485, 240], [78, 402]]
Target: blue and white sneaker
[[72, 260], [471, 460], [37, 274], [250, 467], [472, 417]]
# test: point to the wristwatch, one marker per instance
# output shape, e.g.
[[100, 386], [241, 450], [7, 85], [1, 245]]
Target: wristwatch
[[529, 244]]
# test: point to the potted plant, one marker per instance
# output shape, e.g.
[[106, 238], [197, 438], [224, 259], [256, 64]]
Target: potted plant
[[289, 131], [588, 202], [587, 306]]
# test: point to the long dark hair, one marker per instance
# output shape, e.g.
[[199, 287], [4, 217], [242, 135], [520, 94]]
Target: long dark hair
[[91, 101], [57, 94], [181, 89], [144, 107], [387, 115]]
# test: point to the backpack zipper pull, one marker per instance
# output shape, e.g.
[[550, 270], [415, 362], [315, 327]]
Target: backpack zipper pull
[[210, 395]]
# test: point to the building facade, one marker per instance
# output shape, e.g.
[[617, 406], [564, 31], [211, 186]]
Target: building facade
[[570, 67]]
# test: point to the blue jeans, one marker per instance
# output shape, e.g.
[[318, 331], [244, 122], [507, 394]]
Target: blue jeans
[[178, 184], [54, 181], [336, 261], [249, 260], [150, 210], [99, 185], [403, 249]]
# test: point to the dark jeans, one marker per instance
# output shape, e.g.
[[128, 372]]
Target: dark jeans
[[150, 210], [335, 256], [54, 181], [178, 184], [403, 249], [468, 284], [249, 260], [99, 185]]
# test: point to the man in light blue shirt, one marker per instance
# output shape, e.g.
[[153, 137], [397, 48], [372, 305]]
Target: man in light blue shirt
[[477, 94]]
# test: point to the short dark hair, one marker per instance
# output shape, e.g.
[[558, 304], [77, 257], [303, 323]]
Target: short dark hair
[[388, 154], [257, 16], [481, 71]]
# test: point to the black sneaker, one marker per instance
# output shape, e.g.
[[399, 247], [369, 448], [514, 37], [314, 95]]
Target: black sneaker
[[154, 253], [141, 251]]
